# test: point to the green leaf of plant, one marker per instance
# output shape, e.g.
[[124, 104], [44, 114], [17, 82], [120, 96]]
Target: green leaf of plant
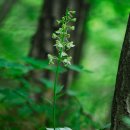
[[53, 69], [50, 84], [72, 93], [47, 83], [65, 128], [37, 64], [107, 126], [59, 89], [126, 120], [78, 68], [11, 69], [59, 95], [48, 101]]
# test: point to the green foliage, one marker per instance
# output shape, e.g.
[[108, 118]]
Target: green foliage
[[19, 109], [79, 68], [66, 128], [36, 63], [14, 70], [18, 28], [18, 97], [107, 126], [126, 120], [101, 55]]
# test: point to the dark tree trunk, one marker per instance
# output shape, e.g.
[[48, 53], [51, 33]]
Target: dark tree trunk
[[121, 100], [42, 43], [5, 9]]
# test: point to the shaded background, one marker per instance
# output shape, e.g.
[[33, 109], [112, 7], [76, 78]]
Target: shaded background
[[91, 92]]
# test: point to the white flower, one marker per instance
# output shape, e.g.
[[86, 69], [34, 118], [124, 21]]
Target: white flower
[[73, 12], [63, 54], [72, 28], [73, 20], [70, 45], [67, 60], [58, 21], [54, 36], [59, 45], [51, 59]]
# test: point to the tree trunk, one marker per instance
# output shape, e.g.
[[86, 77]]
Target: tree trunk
[[121, 100], [42, 43]]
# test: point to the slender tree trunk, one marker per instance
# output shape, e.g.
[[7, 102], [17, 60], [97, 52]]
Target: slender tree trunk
[[5, 9], [42, 43], [121, 100]]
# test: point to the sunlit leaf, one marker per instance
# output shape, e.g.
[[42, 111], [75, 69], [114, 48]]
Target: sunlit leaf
[[71, 93], [126, 120], [78, 68]]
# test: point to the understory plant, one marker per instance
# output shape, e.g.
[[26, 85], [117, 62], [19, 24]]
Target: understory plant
[[62, 45]]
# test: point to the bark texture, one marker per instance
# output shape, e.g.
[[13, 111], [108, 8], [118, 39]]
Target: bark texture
[[42, 43], [121, 100]]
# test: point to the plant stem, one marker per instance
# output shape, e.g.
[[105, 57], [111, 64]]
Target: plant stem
[[55, 86], [54, 97]]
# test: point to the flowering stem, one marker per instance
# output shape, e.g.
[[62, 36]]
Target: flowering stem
[[54, 93], [62, 45]]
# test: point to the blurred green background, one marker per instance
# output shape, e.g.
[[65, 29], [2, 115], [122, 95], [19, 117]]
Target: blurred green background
[[105, 27]]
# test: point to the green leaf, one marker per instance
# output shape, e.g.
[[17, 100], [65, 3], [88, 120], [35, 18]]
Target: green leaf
[[72, 93], [78, 68], [47, 83], [14, 96], [53, 69], [48, 101], [65, 128], [59, 89], [11, 69], [107, 126], [36, 63], [126, 120], [59, 95]]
